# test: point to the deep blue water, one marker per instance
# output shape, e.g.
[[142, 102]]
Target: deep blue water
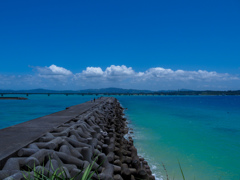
[[201, 132]]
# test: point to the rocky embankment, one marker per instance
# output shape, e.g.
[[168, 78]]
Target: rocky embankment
[[94, 137]]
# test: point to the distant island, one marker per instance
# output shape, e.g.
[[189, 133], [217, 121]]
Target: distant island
[[120, 91], [13, 98]]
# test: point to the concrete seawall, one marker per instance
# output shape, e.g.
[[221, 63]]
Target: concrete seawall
[[72, 139]]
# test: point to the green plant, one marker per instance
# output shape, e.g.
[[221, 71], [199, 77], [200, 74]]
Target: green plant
[[173, 177], [181, 170], [39, 174], [165, 171], [87, 174], [60, 173]]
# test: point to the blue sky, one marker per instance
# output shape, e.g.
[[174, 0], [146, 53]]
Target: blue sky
[[130, 44]]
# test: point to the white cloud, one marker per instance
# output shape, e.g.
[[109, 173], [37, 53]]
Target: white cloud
[[93, 72], [59, 70], [118, 71], [52, 70], [53, 73], [156, 78], [111, 73], [159, 73]]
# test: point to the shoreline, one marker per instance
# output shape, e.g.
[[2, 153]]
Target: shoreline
[[97, 131]]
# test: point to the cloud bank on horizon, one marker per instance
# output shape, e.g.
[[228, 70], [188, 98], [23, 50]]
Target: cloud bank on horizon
[[156, 78]]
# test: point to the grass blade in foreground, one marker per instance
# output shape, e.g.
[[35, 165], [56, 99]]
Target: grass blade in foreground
[[181, 170]]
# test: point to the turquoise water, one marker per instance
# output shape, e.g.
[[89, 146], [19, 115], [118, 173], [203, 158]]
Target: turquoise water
[[201, 132], [16, 111]]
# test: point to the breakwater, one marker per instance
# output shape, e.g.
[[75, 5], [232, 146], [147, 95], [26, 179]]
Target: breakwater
[[97, 132]]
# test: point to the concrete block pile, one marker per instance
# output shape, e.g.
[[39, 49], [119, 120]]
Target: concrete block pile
[[95, 138]]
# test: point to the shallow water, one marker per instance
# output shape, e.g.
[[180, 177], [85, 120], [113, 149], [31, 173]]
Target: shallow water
[[201, 132]]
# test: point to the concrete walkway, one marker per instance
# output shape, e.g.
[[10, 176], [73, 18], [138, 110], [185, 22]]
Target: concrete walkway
[[15, 137]]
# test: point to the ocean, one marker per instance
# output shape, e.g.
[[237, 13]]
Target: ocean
[[200, 134]]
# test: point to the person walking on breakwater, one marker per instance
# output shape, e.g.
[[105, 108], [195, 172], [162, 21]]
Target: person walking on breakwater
[[94, 99]]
